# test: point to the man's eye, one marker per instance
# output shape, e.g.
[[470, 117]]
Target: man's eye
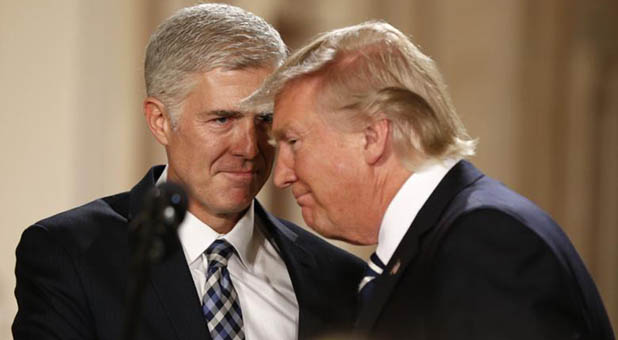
[[221, 120], [265, 118]]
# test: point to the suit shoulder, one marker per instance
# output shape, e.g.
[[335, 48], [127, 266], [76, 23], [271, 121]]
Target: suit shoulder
[[491, 194], [60, 261], [77, 228], [105, 206], [492, 198], [322, 249], [489, 213], [491, 223]]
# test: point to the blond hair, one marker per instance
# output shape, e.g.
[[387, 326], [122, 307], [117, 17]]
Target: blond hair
[[371, 71]]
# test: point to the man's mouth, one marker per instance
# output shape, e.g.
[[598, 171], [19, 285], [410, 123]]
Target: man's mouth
[[241, 173], [302, 198]]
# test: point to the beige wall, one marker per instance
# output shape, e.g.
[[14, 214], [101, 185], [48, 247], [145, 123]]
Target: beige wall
[[535, 81], [37, 124]]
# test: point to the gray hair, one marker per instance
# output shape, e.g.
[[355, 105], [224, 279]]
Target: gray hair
[[372, 71], [201, 38]]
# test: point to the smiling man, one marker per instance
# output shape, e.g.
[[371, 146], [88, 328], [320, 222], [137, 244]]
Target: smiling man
[[242, 273], [374, 153], [217, 151]]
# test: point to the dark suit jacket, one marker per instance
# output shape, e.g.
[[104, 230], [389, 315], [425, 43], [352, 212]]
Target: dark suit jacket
[[481, 262], [72, 273]]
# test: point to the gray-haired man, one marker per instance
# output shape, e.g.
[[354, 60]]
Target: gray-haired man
[[242, 272]]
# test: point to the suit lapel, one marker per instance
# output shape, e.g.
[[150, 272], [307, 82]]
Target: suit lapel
[[459, 177], [139, 191], [171, 279], [298, 262], [173, 284]]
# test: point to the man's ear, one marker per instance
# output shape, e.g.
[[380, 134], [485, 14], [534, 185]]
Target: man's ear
[[157, 119], [377, 135]]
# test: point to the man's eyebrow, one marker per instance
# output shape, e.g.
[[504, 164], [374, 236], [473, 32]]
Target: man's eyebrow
[[232, 113], [223, 113], [278, 133], [284, 131]]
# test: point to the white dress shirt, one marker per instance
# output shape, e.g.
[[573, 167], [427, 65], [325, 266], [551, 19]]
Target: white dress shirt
[[259, 275], [406, 204]]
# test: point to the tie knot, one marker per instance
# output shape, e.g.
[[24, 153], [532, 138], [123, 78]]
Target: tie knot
[[374, 268], [218, 253], [375, 265]]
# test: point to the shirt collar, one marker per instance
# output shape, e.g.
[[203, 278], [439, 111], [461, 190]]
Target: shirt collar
[[406, 204], [196, 236]]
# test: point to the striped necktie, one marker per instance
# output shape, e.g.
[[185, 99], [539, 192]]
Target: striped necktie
[[375, 267], [221, 306]]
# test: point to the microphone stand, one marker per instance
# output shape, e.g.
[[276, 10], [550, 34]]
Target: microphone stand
[[152, 236], [139, 275]]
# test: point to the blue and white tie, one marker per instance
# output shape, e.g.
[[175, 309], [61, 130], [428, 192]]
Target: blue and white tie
[[375, 267], [221, 307]]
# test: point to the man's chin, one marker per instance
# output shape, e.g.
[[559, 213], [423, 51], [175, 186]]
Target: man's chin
[[241, 180], [324, 229], [234, 206], [334, 232]]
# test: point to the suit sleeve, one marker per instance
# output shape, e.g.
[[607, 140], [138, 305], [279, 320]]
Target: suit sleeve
[[50, 296], [496, 279]]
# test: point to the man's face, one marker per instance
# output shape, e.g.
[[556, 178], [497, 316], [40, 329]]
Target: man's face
[[219, 153], [323, 165]]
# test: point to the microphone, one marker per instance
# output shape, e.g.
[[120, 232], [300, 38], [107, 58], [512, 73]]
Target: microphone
[[154, 229], [167, 203], [152, 237]]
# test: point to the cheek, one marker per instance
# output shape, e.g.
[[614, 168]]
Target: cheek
[[344, 167], [193, 145], [345, 180], [210, 148], [182, 153], [310, 166], [325, 179]]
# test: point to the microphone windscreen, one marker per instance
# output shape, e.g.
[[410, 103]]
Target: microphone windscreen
[[167, 203]]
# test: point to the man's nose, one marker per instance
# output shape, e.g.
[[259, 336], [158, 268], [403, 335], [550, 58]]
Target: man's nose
[[284, 169], [246, 144]]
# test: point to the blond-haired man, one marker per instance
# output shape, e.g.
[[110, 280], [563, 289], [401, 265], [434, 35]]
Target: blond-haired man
[[374, 151]]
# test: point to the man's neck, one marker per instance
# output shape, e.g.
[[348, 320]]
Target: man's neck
[[385, 187], [221, 223], [391, 185]]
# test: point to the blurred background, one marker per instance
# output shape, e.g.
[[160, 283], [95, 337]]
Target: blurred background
[[535, 81]]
